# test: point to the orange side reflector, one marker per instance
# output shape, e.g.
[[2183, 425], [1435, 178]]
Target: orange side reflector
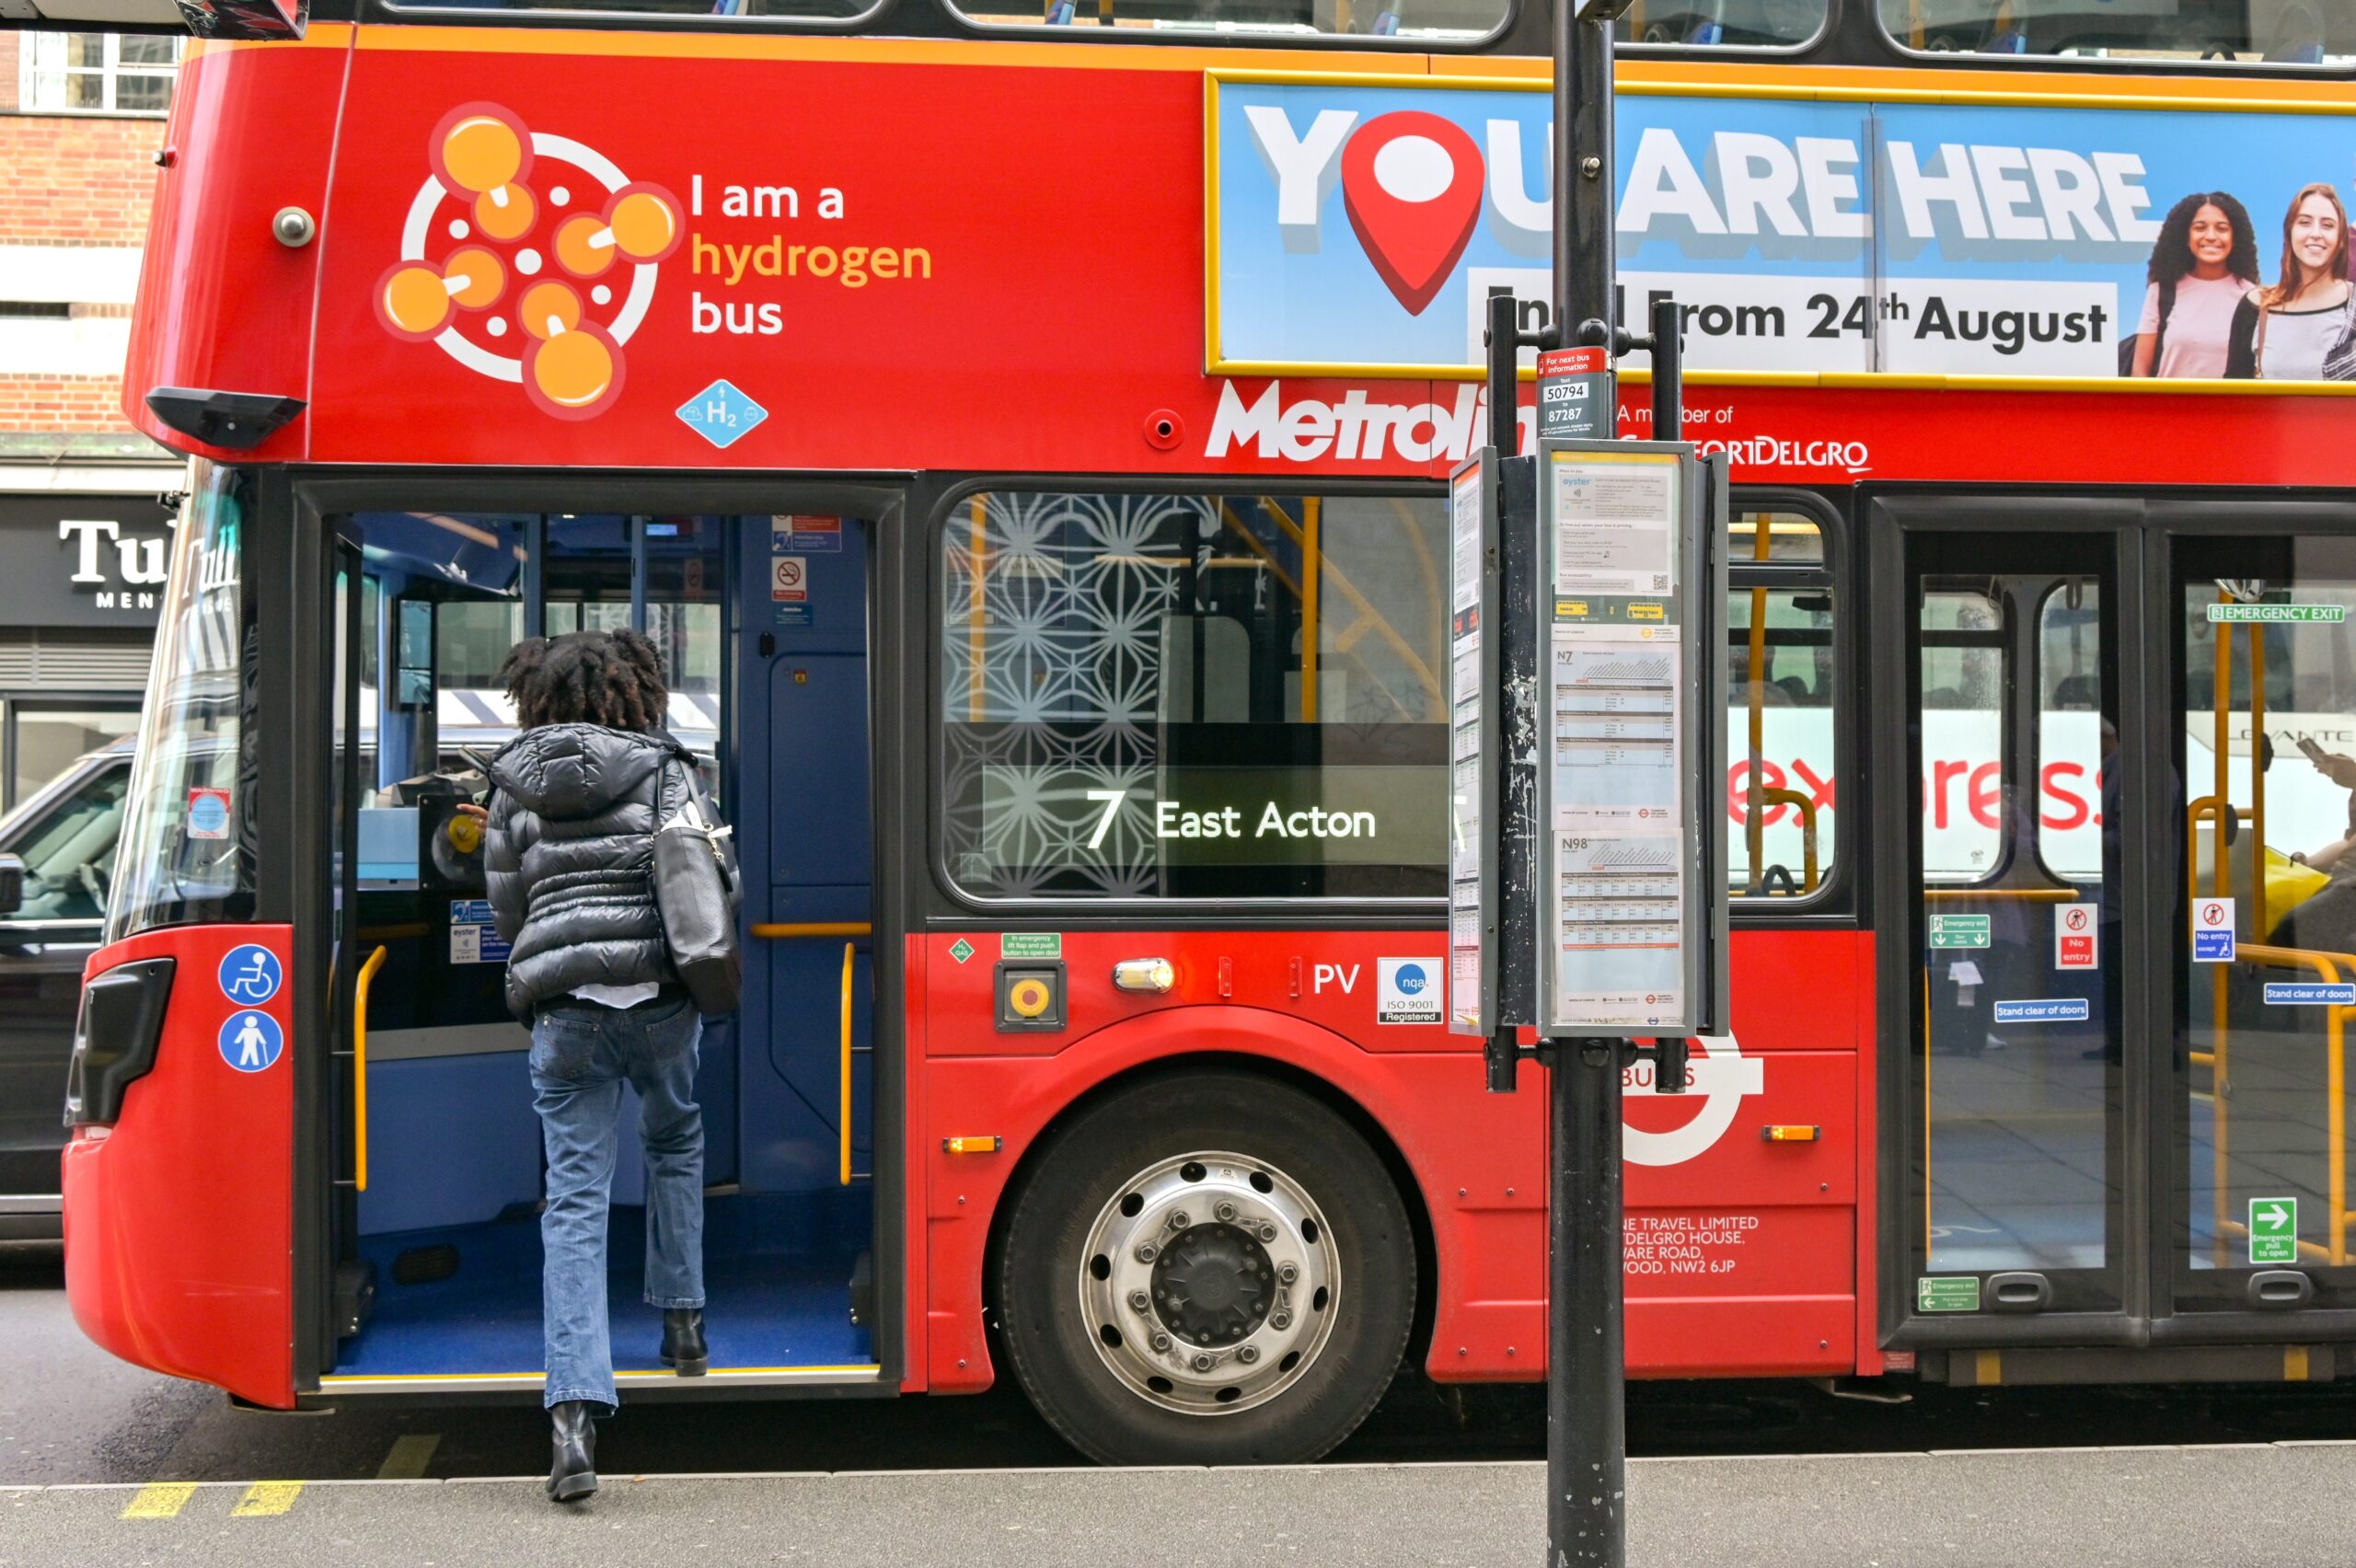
[[987, 1143], [1787, 1132]]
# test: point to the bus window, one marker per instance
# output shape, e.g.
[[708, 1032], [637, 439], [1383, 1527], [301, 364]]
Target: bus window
[[1194, 696], [1962, 703], [1419, 22], [570, 12], [1780, 685], [185, 853], [2074, 746], [2270, 32], [1723, 24]]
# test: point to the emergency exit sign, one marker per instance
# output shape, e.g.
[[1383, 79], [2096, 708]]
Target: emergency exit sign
[[1959, 930], [2274, 1230]]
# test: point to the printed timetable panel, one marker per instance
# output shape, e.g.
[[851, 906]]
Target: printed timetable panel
[[1471, 975], [1629, 922]]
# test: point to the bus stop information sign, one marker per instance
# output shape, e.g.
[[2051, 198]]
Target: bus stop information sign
[[1472, 756], [1635, 944], [1621, 708]]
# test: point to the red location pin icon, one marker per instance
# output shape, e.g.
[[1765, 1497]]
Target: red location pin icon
[[1412, 183]]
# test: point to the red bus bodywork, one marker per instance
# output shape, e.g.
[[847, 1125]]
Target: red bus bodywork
[[1056, 193]]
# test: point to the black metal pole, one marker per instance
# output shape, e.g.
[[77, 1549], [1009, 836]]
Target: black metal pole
[[1505, 363], [1585, 1378], [1587, 1438], [1669, 372], [1583, 179]]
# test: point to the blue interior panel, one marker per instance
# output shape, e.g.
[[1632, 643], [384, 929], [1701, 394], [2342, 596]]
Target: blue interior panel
[[419, 1113], [808, 857]]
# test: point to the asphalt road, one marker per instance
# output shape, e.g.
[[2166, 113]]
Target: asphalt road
[[100, 1462]]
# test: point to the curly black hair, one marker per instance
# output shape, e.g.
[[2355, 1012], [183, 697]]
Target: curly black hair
[[614, 678], [2172, 253]]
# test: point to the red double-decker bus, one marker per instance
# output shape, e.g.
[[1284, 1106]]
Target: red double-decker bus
[[1028, 447]]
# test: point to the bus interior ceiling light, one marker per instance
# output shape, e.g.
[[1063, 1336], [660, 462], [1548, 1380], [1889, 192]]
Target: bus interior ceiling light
[[236, 422]]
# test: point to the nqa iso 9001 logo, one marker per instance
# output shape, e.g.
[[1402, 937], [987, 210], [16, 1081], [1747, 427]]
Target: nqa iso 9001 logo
[[527, 257]]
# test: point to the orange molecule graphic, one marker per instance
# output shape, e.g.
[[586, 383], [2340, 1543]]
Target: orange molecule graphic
[[482, 157], [584, 246], [475, 277], [548, 309], [506, 212], [411, 301], [416, 301], [643, 221], [574, 374], [479, 147]]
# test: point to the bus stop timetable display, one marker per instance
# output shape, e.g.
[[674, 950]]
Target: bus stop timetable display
[[1618, 899]]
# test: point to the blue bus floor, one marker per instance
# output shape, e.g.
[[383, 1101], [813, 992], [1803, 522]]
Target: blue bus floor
[[765, 1310]]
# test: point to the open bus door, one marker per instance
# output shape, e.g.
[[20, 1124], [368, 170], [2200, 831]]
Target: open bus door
[[2117, 955], [432, 1260]]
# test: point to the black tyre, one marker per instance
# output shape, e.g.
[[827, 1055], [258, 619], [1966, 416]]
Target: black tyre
[[1206, 1268]]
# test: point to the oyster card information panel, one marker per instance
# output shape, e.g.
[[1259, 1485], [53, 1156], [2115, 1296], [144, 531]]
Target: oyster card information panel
[[1616, 880]]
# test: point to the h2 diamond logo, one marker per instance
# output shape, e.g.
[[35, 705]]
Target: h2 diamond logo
[[963, 950], [720, 413]]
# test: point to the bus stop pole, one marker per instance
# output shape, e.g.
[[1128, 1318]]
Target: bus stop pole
[[1585, 1377]]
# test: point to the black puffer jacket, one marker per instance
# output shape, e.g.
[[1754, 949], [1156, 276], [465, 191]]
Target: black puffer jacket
[[570, 857]]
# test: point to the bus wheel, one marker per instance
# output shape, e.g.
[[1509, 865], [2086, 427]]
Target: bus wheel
[[1207, 1268]]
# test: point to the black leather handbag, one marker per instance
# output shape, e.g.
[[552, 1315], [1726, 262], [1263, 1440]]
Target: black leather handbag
[[698, 890]]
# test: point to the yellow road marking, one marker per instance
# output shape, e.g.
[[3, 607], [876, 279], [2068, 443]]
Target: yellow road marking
[[265, 1498], [408, 1459], [163, 1501]]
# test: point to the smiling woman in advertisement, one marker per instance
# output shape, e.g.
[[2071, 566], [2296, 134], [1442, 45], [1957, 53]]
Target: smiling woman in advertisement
[[2203, 263], [2283, 333]]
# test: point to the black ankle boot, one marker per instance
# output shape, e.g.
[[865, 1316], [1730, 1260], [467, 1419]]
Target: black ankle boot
[[574, 1474], [683, 1346]]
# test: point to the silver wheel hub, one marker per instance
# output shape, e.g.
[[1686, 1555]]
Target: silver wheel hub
[[1209, 1282]]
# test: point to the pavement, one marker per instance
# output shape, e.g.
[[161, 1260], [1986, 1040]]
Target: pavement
[[2275, 1506]]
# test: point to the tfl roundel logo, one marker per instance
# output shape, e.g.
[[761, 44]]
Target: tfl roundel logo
[[529, 257]]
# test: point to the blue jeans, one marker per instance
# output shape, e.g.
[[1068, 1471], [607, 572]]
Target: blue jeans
[[581, 1052]]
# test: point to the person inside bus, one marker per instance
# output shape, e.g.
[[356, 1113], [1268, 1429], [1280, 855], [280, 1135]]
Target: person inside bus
[[2284, 331], [2203, 263], [576, 800]]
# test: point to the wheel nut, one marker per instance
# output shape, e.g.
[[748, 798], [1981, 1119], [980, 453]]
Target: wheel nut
[[1248, 1354], [1226, 1213], [1280, 1319], [1161, 1342], [1147, 1251], [1267, 1231], [1287, 1272], [1180, 1219], [1204, 1361], [1139, 1301]]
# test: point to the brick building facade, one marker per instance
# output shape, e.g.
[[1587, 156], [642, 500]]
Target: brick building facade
[[81, 120]]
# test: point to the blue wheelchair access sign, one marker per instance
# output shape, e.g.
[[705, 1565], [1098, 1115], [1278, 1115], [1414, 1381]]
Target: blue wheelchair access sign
[[251, 1042], [250, 974]]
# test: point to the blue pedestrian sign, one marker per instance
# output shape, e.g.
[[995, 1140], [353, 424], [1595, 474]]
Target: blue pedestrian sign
[[251, 1042], [250, 976]]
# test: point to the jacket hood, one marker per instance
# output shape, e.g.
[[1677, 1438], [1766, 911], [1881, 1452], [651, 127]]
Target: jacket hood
[[565, 772]]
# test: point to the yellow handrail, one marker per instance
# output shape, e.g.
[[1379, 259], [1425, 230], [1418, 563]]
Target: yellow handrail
[[1807, 808], [2024, 894], [360, 1069], [776, 931], [851, 953]]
